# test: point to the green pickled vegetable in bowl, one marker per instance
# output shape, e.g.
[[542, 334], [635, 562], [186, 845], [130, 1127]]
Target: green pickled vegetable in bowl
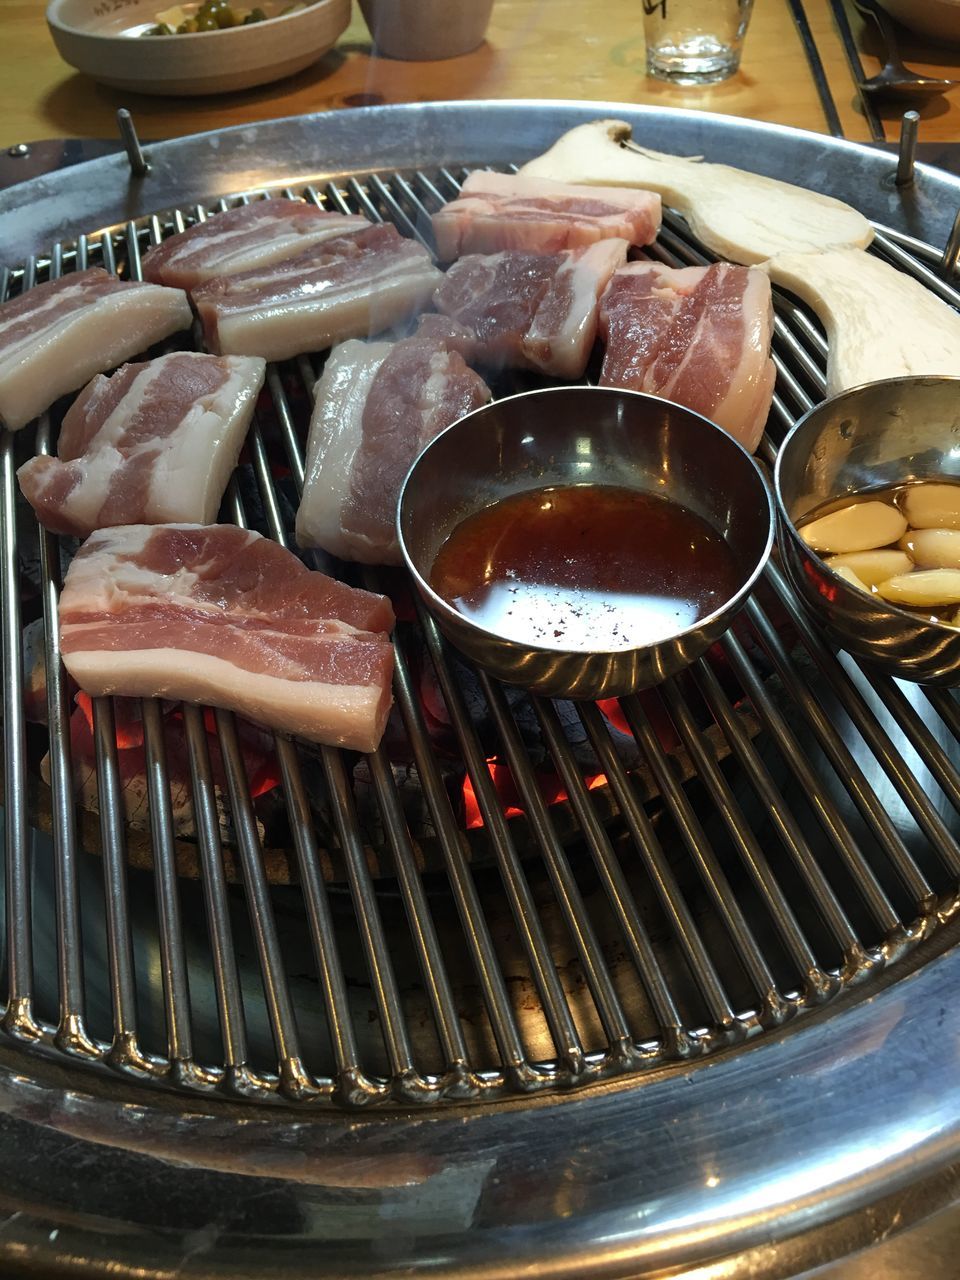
[[211, 15]]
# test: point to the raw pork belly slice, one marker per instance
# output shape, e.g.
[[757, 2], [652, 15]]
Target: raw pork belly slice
[[349, 287], [532, 310], [697, 335], [244, 239], [222, 615], [378, 404], [55, 337], [497, 211], [153, 444]]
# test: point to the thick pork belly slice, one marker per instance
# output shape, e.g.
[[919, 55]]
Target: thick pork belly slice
[[352, 286], [532, 310], [496, 211], [247, 238], [221, 615], [697, 335], [55, 337], [155, 443], [378, 405]]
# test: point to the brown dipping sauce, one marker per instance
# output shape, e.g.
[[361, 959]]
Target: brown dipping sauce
[[593, 567]]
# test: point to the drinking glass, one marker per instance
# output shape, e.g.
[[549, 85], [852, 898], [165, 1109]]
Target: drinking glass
[[694, 41]]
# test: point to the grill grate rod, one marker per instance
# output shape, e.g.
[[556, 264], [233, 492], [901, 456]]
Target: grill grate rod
[[698, 846], [646, 843], [727, 806], [476, 930], [564, 884], [18, 1018], [847, 769], [879, 741], [562, 1027], [785, 823], [225, 972], [829, 818]]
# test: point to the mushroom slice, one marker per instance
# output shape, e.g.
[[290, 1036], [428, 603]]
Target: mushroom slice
[[923, 589], [933, 548], [932, 506], [872, 567], [862, 526]]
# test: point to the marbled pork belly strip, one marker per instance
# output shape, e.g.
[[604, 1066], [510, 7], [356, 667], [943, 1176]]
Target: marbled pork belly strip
[[352, 286], [221, 615], [697, 335], [246, 238], [378, 405], [154, 444], [55, 337], [496, 211], [532, 310]]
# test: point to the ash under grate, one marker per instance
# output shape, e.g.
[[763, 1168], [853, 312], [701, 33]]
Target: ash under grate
[[765, 831]]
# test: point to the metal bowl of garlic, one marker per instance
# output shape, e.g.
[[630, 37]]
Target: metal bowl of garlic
[[868, 499], [584, 542]]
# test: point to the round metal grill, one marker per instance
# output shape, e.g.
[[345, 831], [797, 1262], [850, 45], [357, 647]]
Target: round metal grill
[[732, 850]]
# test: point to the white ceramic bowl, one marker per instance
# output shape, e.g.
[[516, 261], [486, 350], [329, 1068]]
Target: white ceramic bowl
[[95, 37], [937, 18]]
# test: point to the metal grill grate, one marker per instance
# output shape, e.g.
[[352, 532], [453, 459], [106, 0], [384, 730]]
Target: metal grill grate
[[810, 841]]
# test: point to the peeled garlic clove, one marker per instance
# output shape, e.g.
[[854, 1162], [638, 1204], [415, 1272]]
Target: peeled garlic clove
[[871, 567], [933, 548], [860, 527], [932, 506], [923, 589], [848, 575]]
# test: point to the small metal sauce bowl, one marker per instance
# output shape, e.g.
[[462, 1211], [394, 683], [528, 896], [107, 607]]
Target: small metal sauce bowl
[[584, 435], [874, 436]]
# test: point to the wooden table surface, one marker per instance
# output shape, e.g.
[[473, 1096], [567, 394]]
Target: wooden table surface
[[590, 49]]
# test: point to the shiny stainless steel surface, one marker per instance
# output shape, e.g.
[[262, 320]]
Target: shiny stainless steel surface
[[711, 1036], [335, 145], [559, 436], [894, 80], [804, 1147], [871, 437]]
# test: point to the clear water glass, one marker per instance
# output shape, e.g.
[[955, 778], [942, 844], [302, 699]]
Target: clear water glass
[[695, 41]]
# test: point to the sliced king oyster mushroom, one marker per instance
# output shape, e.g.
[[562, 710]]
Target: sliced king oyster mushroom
[[879, 322], [741, 216]]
